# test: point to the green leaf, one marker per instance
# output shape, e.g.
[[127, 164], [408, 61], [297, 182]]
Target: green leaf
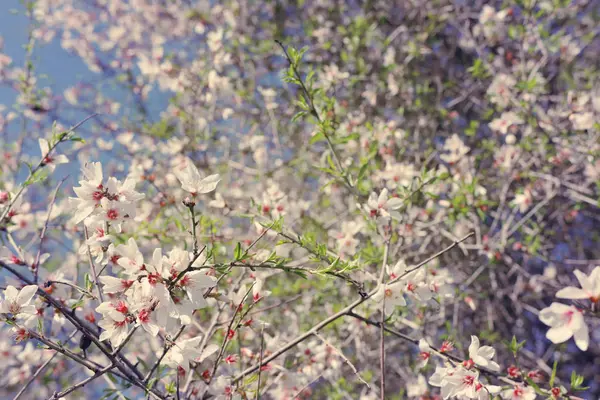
[[577, 381], [298, 115], [77, 139], [238, 253], [151, 383], [170, 388], [77, 304], [88, 282], [317, 137], [300, 273], [363, 170], [330, 162]]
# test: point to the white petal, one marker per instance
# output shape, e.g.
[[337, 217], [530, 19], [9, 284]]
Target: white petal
[[394, 203], [582, 338], [474, 346], [559, 334], [210, 349], [11, 293], [26, 294], [44, 146], [382, 196], [208, 184], [571, 292], [487, 352]]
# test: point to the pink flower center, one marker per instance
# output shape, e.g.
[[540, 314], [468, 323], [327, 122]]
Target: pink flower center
[[469, 380], [112, 214], [144, 316], [446, 346], [16, 260], [14, 308], [185, 281], [121, 307], [153, 278]]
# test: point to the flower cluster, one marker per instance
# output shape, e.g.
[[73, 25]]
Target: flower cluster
[[162, 292], [101, 202]]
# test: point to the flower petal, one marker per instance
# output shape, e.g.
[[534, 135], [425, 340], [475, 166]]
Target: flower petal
[[26, 294], [559, 334], [571, 292], [582, 338]]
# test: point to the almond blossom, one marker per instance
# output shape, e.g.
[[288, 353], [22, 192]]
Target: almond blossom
[[193, 182], [483, 355], [498, 101], [565, 322], [17, 302], [112, 202], [461, 383], [424, 352], [454, 150], [115, 321], [393, 295], [500, 91], [382, 206], [523, 200], [590, 287], [50, 161], [519, 392], [185, 351], [505, 122]]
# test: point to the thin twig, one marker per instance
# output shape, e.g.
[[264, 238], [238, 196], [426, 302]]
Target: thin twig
[[336, 316], [39, 370], [129, 370], [78, 288], [262, 346], [346, 360], [449, 357], [386, 253], [39, 165], [92, 265], [226, 337], [84, 382], [44, 229], [297, 395]]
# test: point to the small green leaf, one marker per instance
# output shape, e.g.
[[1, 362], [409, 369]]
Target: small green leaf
[[238, 252], [88, 282], [317, 138]]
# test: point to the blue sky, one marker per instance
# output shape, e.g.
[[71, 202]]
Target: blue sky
[[54, 67]]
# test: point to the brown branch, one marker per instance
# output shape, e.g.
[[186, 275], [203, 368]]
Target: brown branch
[[293, 343]]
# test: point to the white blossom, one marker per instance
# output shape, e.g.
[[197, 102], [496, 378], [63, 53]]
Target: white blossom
[[565, 322]]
